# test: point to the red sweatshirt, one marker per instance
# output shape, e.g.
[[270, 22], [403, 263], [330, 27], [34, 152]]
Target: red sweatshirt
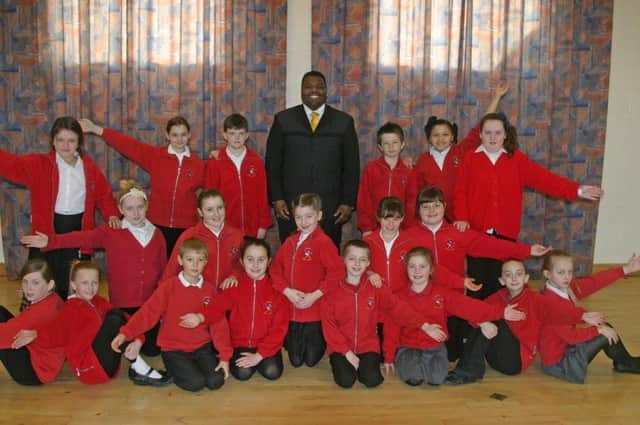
[[433, 305], [350, 316], [74, 329], [527, 331], [259, 315], [46, 362], [39, 172], [133, 271], [429, 174], [379, 180], [490, 196], [168, 303], [173, 199], [315, 264], [244, 192], [450, 246], [561, 315], [223, 252]]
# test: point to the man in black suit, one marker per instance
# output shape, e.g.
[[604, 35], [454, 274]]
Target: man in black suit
[[324, 160]]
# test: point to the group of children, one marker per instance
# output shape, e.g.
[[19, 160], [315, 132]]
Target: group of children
[[195, 282]]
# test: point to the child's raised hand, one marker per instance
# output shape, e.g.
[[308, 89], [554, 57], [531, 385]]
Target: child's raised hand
[[23, 337], [117, 342], [470, 284], [39, 240], [609, 333], [513, 315], [592, 193], [502, 89], [133, 349], [89, 126], [374, 279], [191, 320], [539, 250], [248, 359], [434, 331], [388, 368], [225, 368], [353, 359], [488, 329], [633, 265], [593, 318], [461, 225], [294, 296], [230, 282]]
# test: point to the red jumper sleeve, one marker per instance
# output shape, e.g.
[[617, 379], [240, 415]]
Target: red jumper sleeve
[[137, 151]]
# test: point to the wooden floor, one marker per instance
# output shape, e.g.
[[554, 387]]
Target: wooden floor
[[309, 396]]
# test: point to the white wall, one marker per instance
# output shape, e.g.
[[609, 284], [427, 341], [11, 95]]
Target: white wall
[[618, 233]]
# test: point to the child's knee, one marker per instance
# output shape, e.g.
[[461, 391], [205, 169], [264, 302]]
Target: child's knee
[[215, 380], [193, 384]]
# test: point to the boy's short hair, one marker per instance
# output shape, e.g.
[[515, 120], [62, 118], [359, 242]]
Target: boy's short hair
[[548, 259], [194, 244], [209, 193], [235, 121], [513, 260], [390, 128], [307, 200], [356, 243], [390, 206], [177, 121]]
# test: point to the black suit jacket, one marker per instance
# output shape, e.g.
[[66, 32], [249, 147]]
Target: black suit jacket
[[326, 161]]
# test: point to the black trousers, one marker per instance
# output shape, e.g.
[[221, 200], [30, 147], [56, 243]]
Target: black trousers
[[288, 227], [305, 343], [60, 259], [368, 372], [485, 271], [109, 359], [17, 362], [502, 353], [194, 370], [171, 235], [150, 347], [270, 367], [458, 329]]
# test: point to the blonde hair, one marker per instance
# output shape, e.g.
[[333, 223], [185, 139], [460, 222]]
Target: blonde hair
[[130, 188]]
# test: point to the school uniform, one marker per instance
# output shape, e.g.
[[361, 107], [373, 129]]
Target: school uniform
[[174, 182], [40, 173], [84, 330], [441, 169], [223, 252], [244, 190], [564, 348], [349, 318], [378, 181], [418, 357], [306, 265], [30, 365], [188, 354], [258, 320]]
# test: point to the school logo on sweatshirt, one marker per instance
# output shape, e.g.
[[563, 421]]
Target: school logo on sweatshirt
[[456, 161], [450, 245], [252, 171], [233, 250], [206, 300], [307, 254], [403, 181], [371, 302], [438, 301], [268, 307]]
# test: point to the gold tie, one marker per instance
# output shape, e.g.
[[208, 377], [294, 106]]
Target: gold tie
[[315, 120]]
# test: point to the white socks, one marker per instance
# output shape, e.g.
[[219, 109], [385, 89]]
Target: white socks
[[142, 368]]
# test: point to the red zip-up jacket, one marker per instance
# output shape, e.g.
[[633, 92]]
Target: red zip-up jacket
[[561, 315], [259, 315], [39, 172], [244, 192], [429, 174], [433, 305], [168, 304], [527, 331], [46, 362], [133, 271], [350, 316], [74, 329], [490, 196], [379, 180], [173, 199], [223, 253], [315, 264], [450, 246]]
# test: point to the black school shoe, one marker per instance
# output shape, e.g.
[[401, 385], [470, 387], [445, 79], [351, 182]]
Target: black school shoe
[[146, 379], [454, 378], [627, 367]]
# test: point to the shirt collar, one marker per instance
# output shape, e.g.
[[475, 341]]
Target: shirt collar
[[434, 229], [557, 291], [187, 152], [308, 111], [187, 284], [146, 227], [64, 163], [437, 154]]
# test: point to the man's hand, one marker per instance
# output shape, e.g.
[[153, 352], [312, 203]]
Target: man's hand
[[343, 213]]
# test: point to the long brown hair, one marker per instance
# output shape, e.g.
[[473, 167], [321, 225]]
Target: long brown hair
[[511, 140]]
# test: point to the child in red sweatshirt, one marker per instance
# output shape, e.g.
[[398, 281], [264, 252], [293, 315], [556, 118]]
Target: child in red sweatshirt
[[195, 358], [422, 356], [238, 173], [30, 365], [176, 174], [136, 254], [305, 266], [258, 316], [84, 328], [385, 176], [567, 350]]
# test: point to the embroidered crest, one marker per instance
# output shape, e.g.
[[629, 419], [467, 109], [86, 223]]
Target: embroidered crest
[[206, 300], [456, 161], [403, 257], [268, 307], [450, 245], [371, 302], [307, 254], [438, 301], [252, 171], [189, 173], [233, 250], [403, 181]]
